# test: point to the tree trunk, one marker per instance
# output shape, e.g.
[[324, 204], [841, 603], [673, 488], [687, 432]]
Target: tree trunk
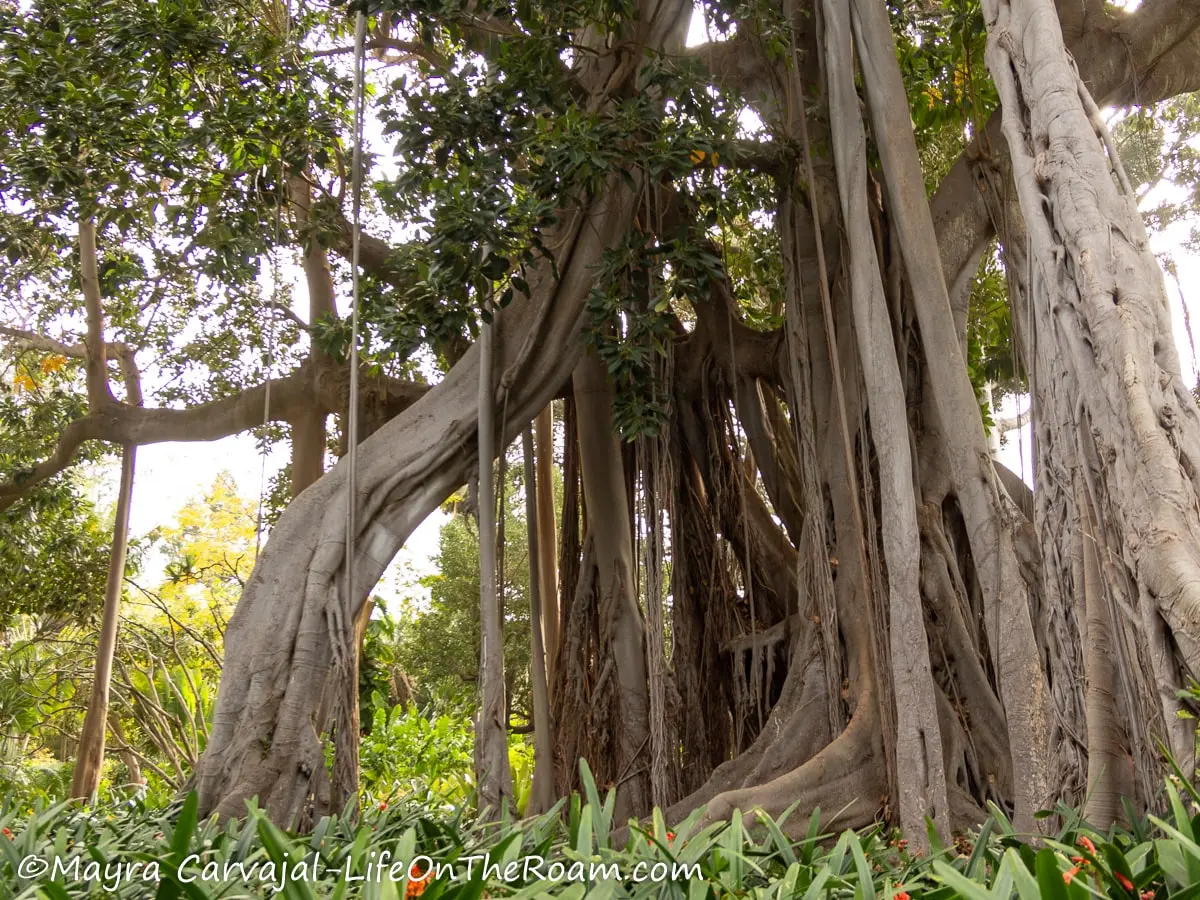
[[622, 629], [547, 562], [492, 777], [920, 779], [982, 500], [308, 427], [90, 760], [265, 740], [925, 624], [541, 797], [1103, 365]]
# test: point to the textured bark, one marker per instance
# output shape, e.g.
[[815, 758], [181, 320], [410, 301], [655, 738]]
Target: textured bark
[[1107, 779], [1103, 359], [1140, 57], [986, 508], [622, 628], [920, 780]]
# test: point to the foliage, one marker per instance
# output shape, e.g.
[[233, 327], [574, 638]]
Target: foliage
[[409, 750], [163, 853], [439, 645], [171, 124], [53, 546], [165, 673], [1157, 145], [941, 50]]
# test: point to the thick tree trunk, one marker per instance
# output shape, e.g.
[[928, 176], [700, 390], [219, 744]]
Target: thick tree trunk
[[1103, 366], [985, 507], [622, 629], [920, 779]]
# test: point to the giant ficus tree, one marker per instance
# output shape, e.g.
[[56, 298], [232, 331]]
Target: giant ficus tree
[[800, 577]]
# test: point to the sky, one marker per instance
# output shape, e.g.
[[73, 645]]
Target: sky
[[173, 474]]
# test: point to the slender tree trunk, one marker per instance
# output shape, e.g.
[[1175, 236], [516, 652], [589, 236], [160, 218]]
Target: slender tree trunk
[[132, 766], [542, 796], [492, 777], [547, 562], [90, 760]]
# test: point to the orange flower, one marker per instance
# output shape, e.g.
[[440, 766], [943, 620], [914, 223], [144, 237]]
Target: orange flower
[[1125, 882], [383, 806], [8, 834], [903, 895], [1079, 860], [1067, 876], [1087, 845], [416, 886], [670, 835]]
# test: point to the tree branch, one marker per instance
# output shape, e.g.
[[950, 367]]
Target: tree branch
[[409, 50], [98, 390], [293, 395]]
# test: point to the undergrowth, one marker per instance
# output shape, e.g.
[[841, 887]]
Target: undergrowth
[[423, 847]]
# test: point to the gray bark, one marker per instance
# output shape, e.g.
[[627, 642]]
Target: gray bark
[[920, 778], [493, 781]]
